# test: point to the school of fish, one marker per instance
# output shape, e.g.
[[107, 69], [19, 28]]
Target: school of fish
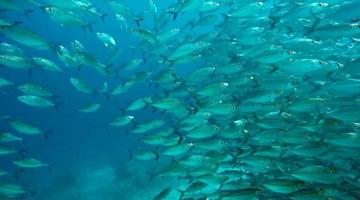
[[247, 99]]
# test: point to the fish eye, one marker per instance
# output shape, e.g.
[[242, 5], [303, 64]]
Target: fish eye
[[291, 52], [207, 114], [332, 171]]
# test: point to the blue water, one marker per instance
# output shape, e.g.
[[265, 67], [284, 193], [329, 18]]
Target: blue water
[[90, 160], [87, 159]]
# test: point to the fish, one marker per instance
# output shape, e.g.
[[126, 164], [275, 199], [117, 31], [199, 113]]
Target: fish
[[178, 149], [121, 89], [144, 34], [82, 86], [29, 163], [25, 36], [107, 40], [284, 186], [89, 108], [15, 62], [147, 126], [25, 127], [345, 140], [35, 90], [9, 49], [11, 190], [66, 17], [9, 137], [122, 120], [36, 101], [46, 64], [146, 155], [6, 150], [5, 83]]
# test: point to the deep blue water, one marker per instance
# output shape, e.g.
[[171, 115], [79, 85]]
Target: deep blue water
[[78, 145], [89, 160]]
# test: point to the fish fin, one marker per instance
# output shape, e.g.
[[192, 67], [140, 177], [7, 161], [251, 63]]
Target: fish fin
[[22, 152]]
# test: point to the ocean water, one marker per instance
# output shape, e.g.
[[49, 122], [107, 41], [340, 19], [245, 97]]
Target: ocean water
[[262, 98]]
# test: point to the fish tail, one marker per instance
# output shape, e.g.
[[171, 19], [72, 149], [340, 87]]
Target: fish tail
[[182, 192], [103, 16], [89, 26], [107, 95], [57, 105], [152, 175], [47, 133], [138, 21], [17, 173], [174, 14], [22, 152], [131, 156], [157, 155]]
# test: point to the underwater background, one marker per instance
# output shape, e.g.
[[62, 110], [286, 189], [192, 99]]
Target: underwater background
[[245, 99]]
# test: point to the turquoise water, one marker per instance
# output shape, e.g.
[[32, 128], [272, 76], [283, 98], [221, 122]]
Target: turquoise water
[[189, 99]]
